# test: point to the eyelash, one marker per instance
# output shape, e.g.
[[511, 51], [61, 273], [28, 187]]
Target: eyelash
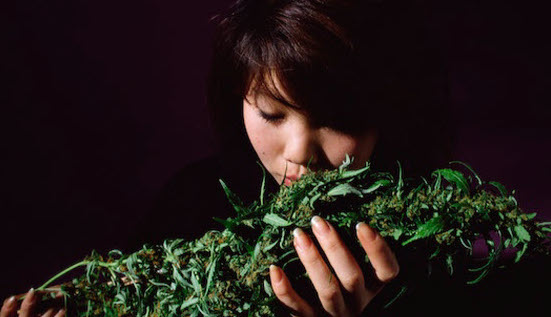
[[270, 118]]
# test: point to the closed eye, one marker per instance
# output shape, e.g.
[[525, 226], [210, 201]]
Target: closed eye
[[270, 118]]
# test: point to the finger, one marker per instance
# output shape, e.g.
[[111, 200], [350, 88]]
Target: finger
[[28, 305], [287, 295], [343, 262], [9, 308], [380, 255], [327, 285], [60, 313]]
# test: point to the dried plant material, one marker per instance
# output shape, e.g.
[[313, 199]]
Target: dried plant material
[[430, 223]]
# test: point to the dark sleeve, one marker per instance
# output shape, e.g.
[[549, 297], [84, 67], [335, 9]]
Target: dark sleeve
[[185, 207], [521, 290]]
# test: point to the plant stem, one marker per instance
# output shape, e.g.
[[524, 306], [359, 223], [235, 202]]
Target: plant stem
[[67, 270]]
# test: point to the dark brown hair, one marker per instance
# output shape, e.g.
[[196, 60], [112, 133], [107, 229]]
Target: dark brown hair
[[350, 64]]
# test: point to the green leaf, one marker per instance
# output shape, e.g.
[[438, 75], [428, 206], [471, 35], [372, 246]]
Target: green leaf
[[275, 220], [189, 302], [263, 185], [397, 233], [313, 200], [268, 288], [344, 189], [376, 185], [233, 199], [478, 179], [522, 233], [449, 263], [400, 184], [531, 215], [211, 270], [270, 246], [347, 161], [521, 252], [348, 174], [454, 177], [427, 229], [228, 223], [499, 187]]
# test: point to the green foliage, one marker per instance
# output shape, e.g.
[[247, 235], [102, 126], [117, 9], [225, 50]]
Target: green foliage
[[433, 223]]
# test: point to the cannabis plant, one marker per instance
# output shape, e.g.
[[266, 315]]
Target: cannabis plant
[[432, 223]]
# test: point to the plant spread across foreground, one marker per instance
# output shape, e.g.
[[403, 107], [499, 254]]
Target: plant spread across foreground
[[432, 223]]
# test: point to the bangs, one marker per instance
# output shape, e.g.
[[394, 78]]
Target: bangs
[[350, 65], [338, 99], [269, 83], [309, 63]]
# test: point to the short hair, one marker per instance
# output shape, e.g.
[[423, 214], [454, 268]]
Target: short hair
[[351, 64]]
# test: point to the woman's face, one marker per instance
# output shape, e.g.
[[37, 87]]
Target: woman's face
[[287, 142]]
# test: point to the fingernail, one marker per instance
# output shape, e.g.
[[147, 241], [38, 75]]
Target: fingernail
[[276, 273], [10, 301], [301, 240], [320, 225], [30, 294], [367, 231]]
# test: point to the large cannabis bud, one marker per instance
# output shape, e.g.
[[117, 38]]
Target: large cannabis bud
[[432, 223]]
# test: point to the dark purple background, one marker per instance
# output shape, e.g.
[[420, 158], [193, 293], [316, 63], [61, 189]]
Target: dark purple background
[[104, 101]]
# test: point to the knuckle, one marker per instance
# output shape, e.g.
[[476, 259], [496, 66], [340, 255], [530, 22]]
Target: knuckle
[[352, 282], [330, 294], [329, 297], [389, 275]]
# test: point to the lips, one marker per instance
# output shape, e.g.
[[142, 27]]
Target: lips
[[289, 179]]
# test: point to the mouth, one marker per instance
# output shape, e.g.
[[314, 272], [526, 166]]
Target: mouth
[[289, 179]]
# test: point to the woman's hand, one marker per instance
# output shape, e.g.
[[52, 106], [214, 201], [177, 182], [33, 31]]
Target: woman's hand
[[29, 307], [348, 294]]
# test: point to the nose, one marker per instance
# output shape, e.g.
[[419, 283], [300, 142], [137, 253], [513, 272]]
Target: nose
[[301, 145]]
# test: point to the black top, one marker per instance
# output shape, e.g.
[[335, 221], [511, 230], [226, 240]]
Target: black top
[[189, 201]]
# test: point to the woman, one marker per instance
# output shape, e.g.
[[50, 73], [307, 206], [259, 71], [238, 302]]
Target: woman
[[317, 80], [302, 83]]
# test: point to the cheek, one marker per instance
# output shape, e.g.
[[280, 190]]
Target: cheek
[[262, 137]]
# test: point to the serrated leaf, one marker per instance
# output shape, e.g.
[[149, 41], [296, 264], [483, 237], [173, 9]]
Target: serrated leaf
[[427, 229], [454, 177], [275, 220]]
